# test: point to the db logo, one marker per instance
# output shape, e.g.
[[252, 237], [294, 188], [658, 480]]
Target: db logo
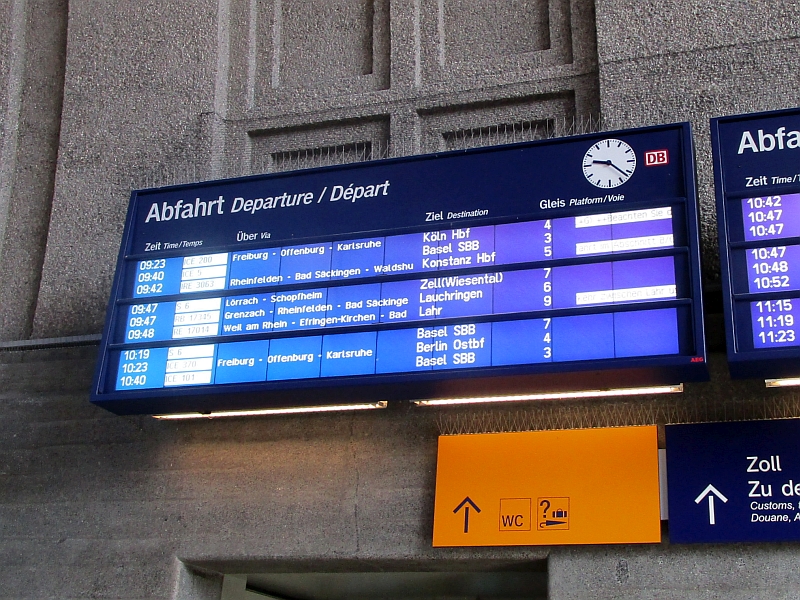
[[656, 157]]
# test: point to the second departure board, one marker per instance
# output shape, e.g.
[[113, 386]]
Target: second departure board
[[757, 172], [466, 272]]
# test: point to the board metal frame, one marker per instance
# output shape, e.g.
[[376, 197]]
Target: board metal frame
[[746, 363], [475, 382]]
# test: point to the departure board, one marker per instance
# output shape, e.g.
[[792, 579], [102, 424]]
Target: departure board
[[507, 268], [757, 176]]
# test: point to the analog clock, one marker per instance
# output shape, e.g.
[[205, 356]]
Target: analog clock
[[609, 163]]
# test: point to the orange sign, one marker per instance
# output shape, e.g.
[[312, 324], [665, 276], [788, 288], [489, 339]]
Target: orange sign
[[586, 486]]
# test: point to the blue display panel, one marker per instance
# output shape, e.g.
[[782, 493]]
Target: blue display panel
[[472, 272], [473, 295], [558, 339], [758, 212], [733, 482]]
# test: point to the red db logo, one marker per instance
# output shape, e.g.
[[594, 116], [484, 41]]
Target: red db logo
[[656, 157]]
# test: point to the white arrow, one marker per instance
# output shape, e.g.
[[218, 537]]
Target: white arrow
[[710, 491]]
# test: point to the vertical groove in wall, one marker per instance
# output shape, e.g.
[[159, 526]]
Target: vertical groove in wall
[[417, 43], [547, 37], [223, 57], [369, 42], [382, 42], [31, 134], [8, 158], [252, 55], [441, 32], [218, 130], [277, 24], [567, 34]]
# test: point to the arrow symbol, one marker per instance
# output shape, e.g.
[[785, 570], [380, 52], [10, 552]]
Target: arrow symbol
[[710, 491], [465, 504]]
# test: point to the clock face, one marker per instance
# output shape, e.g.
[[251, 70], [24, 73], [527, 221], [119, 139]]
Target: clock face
[[609, 163]]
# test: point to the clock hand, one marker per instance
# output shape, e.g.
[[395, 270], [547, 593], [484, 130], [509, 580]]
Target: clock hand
[[610, 164], [617, 168]]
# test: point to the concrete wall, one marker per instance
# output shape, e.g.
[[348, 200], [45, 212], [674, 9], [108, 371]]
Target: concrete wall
[[138, 89], [32, 76], [163, 92], [692, 60], [98, 97], [95, 505]]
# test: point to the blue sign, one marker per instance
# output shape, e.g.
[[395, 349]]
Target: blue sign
[[757, 176], [734, 482], [384, 280]]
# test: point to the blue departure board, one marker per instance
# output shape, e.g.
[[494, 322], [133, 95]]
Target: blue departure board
[[541, 265], [757, 176]]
